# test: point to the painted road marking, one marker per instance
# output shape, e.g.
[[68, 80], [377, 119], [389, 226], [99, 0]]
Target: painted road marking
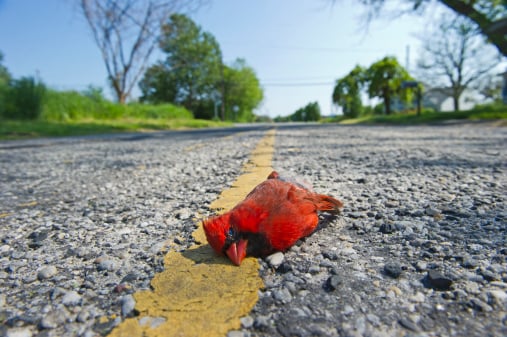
[[200, 293]]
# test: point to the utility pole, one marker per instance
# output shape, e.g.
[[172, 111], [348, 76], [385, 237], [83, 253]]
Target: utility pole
[[407, 58], [223, 85]]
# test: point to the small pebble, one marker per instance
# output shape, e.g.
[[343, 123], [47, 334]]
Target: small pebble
[[235, 333], [71, 298], [387, 228], [432, 211], [247, 322], [46, 272], [18, 332], [438, 281], [314, 269], [105, 264], [421, 266], [275, 259], [392, 269], [50, 321], [333, 282], [469, 263], [408, 324], [283, 295], [128, 304]]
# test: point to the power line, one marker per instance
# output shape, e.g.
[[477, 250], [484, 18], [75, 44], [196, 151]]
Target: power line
[[305, 48]]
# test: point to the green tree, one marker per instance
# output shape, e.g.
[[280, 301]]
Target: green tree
[[192, 71], [242, 92], [95, 93], [5, 78], [489, 15], [384, 79], [347, 92], [310, 112], [157, 85]]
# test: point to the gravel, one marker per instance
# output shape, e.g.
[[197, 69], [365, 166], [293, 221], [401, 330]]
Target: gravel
[[419, 249], [86, 223]]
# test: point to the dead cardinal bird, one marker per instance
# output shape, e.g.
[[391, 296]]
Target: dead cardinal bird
[[273, 216]]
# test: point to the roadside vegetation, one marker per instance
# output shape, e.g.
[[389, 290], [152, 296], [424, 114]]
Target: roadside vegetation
[[488, 112], [29, 109]]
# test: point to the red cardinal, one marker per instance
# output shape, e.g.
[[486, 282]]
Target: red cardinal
[[273, 216]]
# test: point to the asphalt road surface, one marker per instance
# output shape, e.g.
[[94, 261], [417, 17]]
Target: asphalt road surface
[[419, 249]]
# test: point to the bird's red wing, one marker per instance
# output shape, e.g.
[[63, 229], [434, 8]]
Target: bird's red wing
[[284, 230], [294, 218], [263, 200], [247, 216]]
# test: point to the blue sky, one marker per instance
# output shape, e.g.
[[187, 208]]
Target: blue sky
[[297, 48]]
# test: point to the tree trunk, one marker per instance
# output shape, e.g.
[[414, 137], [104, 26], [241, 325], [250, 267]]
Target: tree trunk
[[387, 101], [121, 95], [222, 80], [418, 97], [455, 101], [122, 98]]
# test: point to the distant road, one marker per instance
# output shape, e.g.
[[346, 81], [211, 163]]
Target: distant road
[[200, 134]]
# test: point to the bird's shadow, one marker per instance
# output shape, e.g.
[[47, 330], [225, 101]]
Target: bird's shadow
[[326, 219], [205, 254]]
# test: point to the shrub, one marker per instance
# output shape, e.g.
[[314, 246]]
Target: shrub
[[161, 111], [490, 107], [68, 105], [72, 105], [23, 99], [4, 90]]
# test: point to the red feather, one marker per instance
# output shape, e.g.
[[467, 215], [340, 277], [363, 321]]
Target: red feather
[[273, 216]]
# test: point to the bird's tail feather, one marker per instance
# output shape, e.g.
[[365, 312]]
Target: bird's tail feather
[[329, 204]]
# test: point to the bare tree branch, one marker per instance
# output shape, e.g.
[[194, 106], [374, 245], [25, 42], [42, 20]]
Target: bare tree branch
[[491, 27], [127, 32], [490, 16], [455, 57]]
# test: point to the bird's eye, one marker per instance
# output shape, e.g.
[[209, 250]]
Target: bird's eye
[[231, 233]]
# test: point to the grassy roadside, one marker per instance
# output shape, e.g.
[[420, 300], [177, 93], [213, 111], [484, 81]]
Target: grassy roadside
[[23, 129], [70, 113], [426, 118], [19, 129]]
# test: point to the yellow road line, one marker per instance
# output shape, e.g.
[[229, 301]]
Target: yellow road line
[[200, 293]]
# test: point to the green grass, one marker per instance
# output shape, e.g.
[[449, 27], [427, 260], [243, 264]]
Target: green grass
[[70, 113], [427, 118], [16, 129], [72, 106]]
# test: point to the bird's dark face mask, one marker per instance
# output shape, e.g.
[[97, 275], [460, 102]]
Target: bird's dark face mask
[[235, 247]]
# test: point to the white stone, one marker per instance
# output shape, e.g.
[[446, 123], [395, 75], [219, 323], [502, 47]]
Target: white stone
[[275, 259]]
